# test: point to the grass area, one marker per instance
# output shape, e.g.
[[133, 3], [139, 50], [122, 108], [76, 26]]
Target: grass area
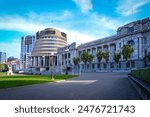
[[3, 73], [143, 74], [21, 80]]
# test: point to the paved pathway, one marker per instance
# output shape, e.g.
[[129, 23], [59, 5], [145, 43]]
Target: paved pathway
[[93, 86]]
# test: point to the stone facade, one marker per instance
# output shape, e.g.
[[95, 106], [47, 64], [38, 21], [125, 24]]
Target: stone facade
[[65, 57], [136, 33]]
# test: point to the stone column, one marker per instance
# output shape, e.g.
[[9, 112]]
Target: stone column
[[34, 61], [95, 50], [140, 49]]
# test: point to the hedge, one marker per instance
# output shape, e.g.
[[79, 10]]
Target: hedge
[[143, 74]]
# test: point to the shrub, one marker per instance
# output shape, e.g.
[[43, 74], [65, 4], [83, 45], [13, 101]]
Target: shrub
[[143, 74]]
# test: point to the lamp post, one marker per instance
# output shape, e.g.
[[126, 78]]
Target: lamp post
[[52, 67]]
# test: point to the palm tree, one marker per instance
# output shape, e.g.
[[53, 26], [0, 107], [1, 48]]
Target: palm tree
[[84, 58], [117, 57], [106, 57], [90, 58], [99, 56], [126, 52]]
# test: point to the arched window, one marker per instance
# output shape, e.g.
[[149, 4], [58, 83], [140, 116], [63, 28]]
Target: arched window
[[132, 43]]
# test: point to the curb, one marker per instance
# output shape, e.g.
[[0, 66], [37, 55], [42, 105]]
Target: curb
[[142, 88]]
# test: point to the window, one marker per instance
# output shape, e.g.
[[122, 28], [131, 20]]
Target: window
[[105, 65], [133, 64], [87, 66], [68, 55], [120, 45], [50, 32], [131, 30], [65, 56], [128, 64], [112, 65], [82, 66], [120, 65], [99, 65], [145, 40], [63, 34], [93, 66]]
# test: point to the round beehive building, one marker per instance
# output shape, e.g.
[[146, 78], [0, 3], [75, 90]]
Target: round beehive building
[[46, 45]]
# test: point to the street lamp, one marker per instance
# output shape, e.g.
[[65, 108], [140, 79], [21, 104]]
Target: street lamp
[[52, 74]]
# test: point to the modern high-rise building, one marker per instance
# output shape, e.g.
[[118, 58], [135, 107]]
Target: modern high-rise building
[[47, 43], [27, 44], [2, 57]]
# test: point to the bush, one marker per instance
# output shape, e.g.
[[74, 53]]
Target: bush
[[143, 74], [3, 67]]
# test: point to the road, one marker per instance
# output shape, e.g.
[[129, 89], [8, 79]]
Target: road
[[89, 86]]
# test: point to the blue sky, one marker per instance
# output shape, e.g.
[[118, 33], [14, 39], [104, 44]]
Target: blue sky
[[82, 20]]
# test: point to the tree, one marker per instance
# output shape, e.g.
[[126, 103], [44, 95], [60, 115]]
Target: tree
[[127, 51], [84, 57], [99, 56], [117, 57], [3, 67], [90, 58], [76, 61], [106, 56]]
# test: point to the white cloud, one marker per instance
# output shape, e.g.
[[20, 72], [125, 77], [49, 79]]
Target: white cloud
[[129, 7], [12, 48], [84, 29], [18, 23], [93, 25], [84, 5]]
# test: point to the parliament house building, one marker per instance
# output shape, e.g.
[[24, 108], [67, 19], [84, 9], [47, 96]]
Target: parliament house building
[[53, 43]]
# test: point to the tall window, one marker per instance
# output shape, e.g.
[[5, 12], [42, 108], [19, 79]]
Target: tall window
[[120, 45], [93, 66], [133, 64], [145, 40], [98, 65]]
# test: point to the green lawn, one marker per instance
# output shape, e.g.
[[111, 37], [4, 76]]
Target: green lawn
[[3, 73], [16, 80]]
